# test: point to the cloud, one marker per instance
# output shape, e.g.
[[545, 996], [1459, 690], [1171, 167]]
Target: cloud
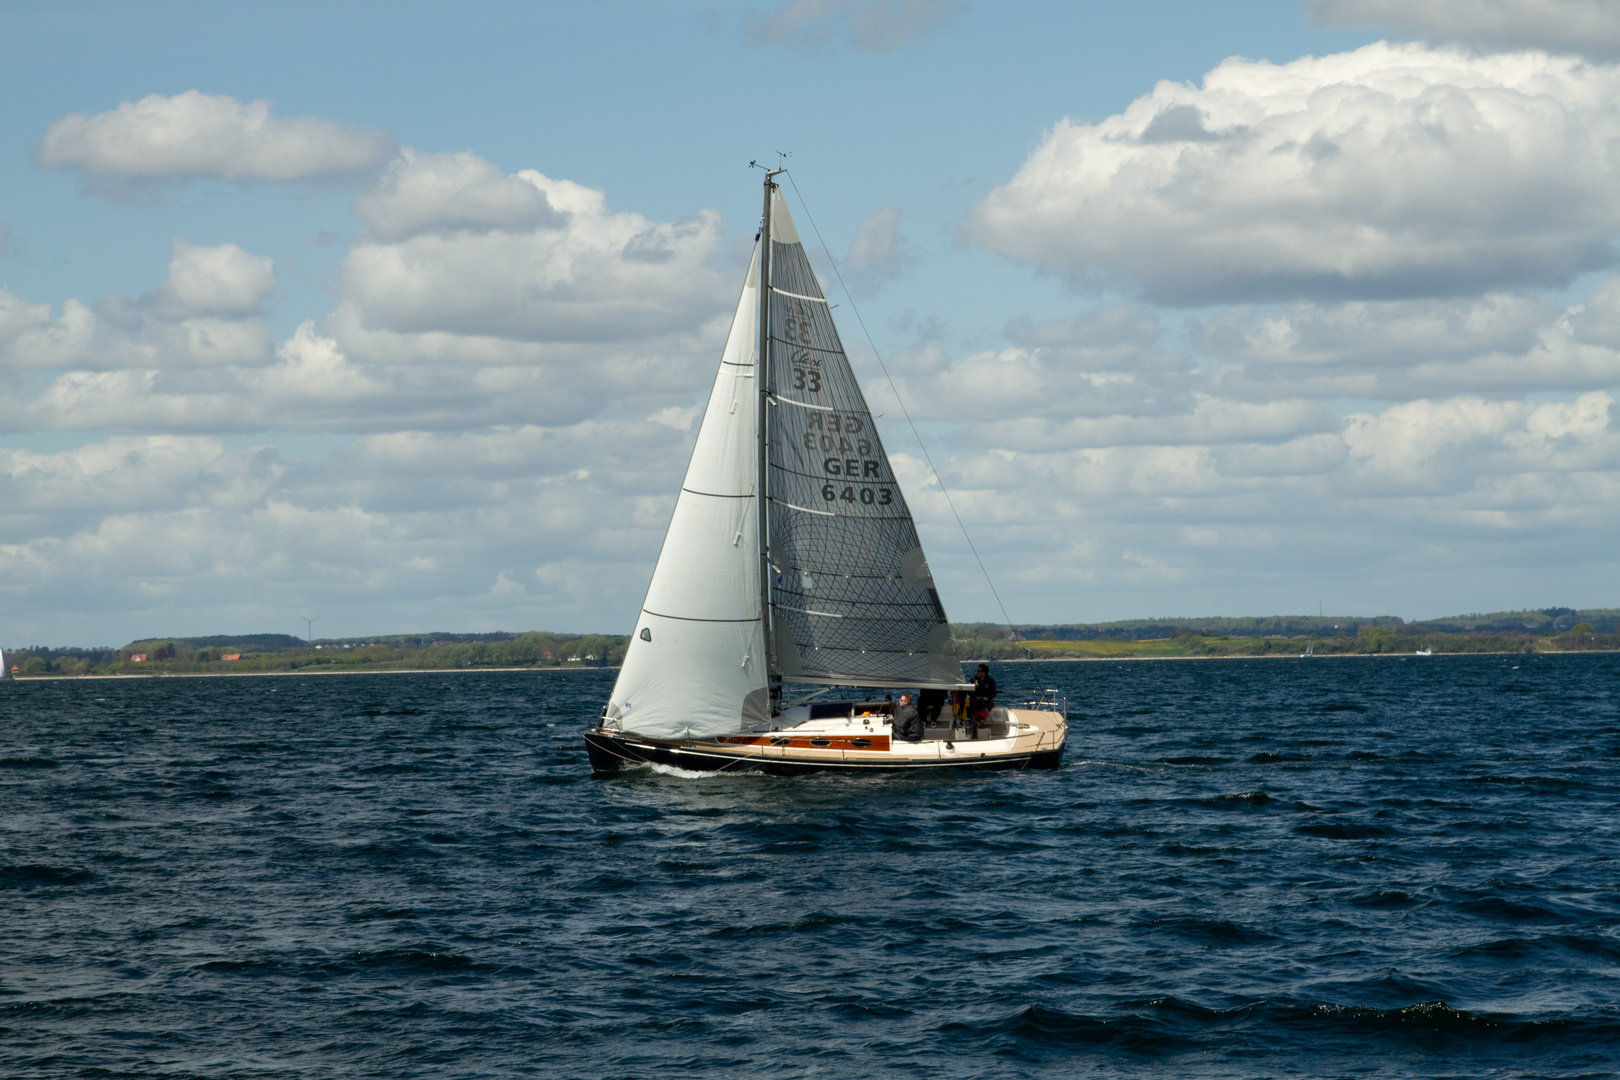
[[1393, 171], [30, 337], [489, 309], [1370, 334], [193, 535], [197, 135], [867, 25], [878, 250], [136, 473], [448, 192], [205, 313], [219, 280], [1498, 344], [1109, 361], [506, 388], [579, 274], [1584, 27], [1468, 443]]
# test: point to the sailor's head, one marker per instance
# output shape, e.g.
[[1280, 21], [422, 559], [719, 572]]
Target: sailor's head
[[984, 669], [905, 699]]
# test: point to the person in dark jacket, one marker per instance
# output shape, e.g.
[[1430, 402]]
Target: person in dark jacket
[[984, 691], [908, 723], [929, 702]]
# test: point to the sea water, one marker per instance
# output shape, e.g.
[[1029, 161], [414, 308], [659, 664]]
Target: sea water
[[1319, 867]]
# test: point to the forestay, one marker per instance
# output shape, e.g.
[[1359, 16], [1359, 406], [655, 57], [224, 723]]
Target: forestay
[[696, 663], [851, 596]]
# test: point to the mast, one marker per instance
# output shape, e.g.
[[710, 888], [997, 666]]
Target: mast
[[773, 681]]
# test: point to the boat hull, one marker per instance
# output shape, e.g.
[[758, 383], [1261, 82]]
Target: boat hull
[[611, 752]]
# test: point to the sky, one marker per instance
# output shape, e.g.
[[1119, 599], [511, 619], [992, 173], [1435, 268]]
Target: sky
[[400, 316]]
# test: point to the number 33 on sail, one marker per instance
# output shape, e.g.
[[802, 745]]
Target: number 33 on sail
[[792, 559]]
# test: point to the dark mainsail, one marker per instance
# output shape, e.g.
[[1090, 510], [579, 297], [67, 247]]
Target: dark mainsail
[[852, 600]]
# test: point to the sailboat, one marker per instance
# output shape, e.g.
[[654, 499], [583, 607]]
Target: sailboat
[[5, 672], [792, 562]]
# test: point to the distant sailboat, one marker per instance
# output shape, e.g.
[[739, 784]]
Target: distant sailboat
[[792, 557], [5, 672], [1310, 649]]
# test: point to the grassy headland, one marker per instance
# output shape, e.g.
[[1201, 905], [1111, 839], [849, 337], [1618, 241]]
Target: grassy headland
[[1546, 630]]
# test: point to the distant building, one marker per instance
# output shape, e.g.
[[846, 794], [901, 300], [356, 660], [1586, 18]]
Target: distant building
[[232, 656], [138, 657]]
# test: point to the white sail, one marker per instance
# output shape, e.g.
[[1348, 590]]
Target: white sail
[[696, 662], [5, 672], [852, 600]]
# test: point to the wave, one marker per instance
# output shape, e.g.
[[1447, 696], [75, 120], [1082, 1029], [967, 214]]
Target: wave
[[1169, 1027], [31, 875]]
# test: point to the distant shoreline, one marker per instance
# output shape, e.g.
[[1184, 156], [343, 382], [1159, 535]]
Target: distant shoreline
[[258, 674], [1016, 660]]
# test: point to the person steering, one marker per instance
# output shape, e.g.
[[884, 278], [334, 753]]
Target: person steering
[[908, 723]]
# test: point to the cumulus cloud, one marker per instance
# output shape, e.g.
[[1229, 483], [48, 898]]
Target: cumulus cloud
[[491, 307], [1468, 443], [867, 25], [219, 280], [1107, 362], [190, 532], [1370, 334], [206, 312], [1496, 344], [197, 135], [508, 382], [1584, 27], [577, 273], [423, 192], [1389, 172], [31, 337]]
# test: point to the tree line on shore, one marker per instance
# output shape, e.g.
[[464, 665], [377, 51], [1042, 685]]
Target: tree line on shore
[[270, 653], [1546, 630]]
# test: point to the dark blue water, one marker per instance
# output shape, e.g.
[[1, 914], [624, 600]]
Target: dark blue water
[[1333, 867]]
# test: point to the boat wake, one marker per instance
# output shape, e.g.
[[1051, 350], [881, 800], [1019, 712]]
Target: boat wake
[[671, 770]]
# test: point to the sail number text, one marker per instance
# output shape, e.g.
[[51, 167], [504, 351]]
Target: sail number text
[[836, 433], [796, 332], [866, 495], [853, 469]]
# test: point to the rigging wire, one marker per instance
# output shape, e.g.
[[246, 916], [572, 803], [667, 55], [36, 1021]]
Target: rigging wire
[[916, 434]]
